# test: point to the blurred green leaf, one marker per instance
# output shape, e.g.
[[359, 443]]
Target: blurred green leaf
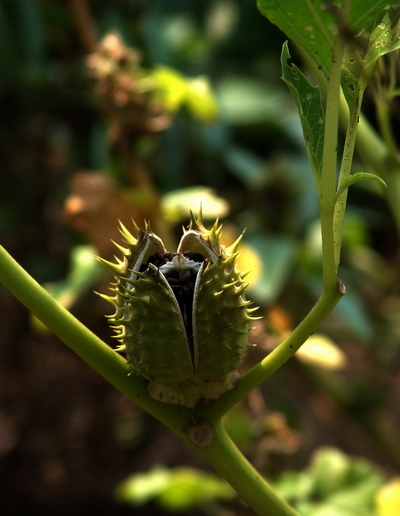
[[334, 484], [245, 101], [250, 168], [277, 253], [239, 426], [200, 100], [176, 490], [140, 488], [171, 86], [175, 91], [190, 488], [332, 470], [352, 310]]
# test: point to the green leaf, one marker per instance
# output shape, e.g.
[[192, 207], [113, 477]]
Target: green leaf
[[200, 99], [190, 488], [175, 91], [308, 101], [278, 255], [246, 165], [245, 101], [334, 484], [176, 490], [140, 488], [380, 38], [358, 176], [314, 24], [171, 86]]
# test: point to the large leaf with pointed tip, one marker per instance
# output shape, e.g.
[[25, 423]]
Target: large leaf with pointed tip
[[308, 101], [380, 38], [314, 24]]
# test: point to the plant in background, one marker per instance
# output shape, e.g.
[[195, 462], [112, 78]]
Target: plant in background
[[137, 101], [343, 41]]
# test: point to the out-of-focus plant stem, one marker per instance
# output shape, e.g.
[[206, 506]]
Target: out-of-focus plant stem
[[84, 24]]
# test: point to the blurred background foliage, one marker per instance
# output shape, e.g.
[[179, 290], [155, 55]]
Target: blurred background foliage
[[143, 109]]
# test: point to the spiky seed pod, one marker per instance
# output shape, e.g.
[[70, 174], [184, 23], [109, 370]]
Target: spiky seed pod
[[181, 318]]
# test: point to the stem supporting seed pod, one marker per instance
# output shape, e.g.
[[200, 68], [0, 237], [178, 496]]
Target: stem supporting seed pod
[[181, 318]]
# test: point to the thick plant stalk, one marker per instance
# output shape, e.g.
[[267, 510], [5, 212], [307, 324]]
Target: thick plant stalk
[[248, 483], [331, 235]]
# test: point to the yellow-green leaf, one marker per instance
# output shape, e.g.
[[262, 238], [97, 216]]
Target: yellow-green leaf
[[200, 99], [171, 86]]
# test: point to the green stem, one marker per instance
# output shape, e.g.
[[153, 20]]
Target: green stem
[[85, 344], [327, 191], [345, 171], [369, 145], [281, 354], [229, 462]]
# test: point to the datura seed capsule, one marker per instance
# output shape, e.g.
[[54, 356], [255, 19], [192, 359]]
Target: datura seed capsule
[[181, 318]]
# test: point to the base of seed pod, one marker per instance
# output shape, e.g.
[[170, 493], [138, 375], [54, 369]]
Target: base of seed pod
[[190, 393]]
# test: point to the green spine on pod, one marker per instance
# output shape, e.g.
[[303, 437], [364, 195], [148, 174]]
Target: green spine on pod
[[181, 318]]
